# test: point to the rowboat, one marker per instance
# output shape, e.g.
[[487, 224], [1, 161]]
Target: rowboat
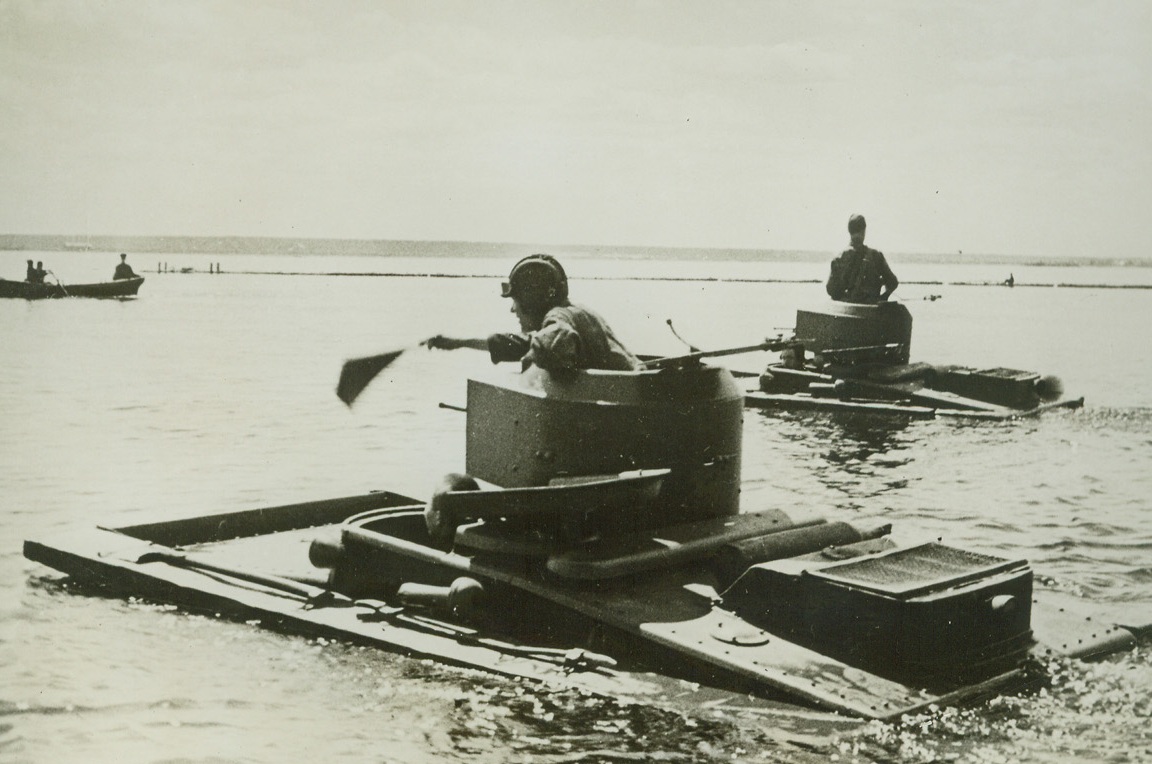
[[30, 291], [856, 358], [596, 540]]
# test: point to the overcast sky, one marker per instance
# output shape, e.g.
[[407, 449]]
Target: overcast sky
[[988, 127]]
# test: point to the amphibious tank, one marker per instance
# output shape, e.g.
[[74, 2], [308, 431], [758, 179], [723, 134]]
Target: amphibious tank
[[848, 356], [596, 538]]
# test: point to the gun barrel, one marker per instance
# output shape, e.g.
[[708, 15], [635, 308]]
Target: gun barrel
[[689, 358]]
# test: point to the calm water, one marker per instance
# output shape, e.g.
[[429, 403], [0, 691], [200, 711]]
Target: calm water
[[215, 392]]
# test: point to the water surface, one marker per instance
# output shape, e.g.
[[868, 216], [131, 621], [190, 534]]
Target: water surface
[[212, 393]]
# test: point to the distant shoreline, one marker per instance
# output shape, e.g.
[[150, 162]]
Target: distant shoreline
[[217, 246], [701, 279]]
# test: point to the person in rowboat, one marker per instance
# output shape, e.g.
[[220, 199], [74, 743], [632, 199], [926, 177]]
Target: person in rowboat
[[123, 270], [556, 334], [36, 273], [860, 274]]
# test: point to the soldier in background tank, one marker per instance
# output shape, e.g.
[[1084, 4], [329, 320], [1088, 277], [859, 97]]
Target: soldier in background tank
[[860, 274]]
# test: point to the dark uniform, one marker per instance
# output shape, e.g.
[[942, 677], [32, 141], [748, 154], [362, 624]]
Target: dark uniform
[[860, 275]]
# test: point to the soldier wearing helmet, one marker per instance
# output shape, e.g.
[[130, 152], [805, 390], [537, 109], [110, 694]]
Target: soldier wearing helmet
[[555, 334], [860, 274]]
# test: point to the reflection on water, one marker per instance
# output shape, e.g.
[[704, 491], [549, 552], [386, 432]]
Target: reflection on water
[[847, 459], [860, 452]]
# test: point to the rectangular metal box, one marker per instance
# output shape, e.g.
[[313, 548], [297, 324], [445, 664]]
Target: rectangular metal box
[[926, 614], [1004, 387]]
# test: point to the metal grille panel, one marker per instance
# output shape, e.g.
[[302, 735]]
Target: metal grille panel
[[916, 569]]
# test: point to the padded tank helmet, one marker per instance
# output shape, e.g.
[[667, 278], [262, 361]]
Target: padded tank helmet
[[537, 280]]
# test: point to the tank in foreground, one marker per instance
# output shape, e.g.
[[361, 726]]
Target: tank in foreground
[[600, 543]]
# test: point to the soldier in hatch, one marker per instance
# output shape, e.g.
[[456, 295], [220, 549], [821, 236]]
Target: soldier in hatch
[[556, 334], [860, 274]]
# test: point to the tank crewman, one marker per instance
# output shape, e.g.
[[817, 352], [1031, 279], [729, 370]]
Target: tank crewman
[[556, 334], [860, 274], [123, 270]]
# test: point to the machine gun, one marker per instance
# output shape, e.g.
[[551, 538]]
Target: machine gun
[[693, 358]]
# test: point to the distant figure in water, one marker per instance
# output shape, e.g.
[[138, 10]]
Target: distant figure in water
[[556, 334], [30, 276], [123, 270], [1011, 281], [860, 274], [36, 275]]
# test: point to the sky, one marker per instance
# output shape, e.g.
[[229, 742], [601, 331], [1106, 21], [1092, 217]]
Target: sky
[[1017, 128]]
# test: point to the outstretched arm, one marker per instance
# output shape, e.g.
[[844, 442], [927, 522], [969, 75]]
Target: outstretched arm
[[500, 347], [440, 342]]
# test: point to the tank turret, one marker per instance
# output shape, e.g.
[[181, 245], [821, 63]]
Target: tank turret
[[537, 428], [846, 325]]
